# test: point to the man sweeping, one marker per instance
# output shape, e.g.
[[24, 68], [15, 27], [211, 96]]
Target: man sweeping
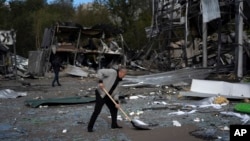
[[109, 80]]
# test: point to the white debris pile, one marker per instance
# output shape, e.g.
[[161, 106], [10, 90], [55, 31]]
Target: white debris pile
[[244, 117]]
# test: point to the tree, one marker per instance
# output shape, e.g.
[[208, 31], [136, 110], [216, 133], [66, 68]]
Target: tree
[[58, 10], [4, 15], [29, 18], [92, 14], [133, 16], [63, 9]]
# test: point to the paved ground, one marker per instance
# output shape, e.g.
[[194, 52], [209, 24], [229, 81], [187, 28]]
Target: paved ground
[[68, 122]]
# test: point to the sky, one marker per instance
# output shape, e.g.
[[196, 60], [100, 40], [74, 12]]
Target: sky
[[77, 2]]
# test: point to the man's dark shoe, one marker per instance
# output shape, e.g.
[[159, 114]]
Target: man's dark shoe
[[115, 126], [53, 85], [90, 130], [59, 85]]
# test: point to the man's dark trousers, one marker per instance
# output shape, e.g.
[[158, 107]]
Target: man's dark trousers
[[98, 107], [56, 78]]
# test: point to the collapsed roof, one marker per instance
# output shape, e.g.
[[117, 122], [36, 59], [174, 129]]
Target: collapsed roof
[[96, 31]]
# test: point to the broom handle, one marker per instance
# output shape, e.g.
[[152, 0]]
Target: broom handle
[[116, 104]]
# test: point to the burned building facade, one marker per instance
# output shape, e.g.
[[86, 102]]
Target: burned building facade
[[98, 46], [199, 33]]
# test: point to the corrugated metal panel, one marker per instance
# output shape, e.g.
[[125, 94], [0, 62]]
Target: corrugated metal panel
[[36, 63]]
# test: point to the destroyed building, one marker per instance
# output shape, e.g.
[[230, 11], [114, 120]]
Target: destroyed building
[[7, 52], [187, 33], [183, 33], [5, 59], [96, 47]]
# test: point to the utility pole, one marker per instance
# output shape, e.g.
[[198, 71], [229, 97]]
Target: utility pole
[[204, 44], [204, 37], [13, 36], [186, 35], [239, 38], [219, 46]]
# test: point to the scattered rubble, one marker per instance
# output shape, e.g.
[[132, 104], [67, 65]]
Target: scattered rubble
[[173, 91], [159, 106]]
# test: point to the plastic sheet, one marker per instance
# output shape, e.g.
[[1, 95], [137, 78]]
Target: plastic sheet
[[7, 93], [210, 10]]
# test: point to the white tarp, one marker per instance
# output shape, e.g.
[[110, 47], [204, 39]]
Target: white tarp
[[244, 117], [7, 93], [210, 10]]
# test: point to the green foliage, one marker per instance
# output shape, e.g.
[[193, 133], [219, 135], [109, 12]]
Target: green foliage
[[63, 9], [4, 15], [29, 18], [133, 16], [21, 22], [91, 15]]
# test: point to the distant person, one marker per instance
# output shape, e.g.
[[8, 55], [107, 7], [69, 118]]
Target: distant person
[[56, 66], [108, 79], [94, 43]]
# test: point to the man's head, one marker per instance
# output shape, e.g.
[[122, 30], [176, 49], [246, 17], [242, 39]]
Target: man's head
[[122, 71]]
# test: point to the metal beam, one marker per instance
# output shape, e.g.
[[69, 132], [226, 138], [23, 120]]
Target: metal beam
[[204, 44], [240, 40]]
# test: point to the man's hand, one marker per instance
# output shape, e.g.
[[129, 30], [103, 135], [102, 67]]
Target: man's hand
[[118, 106]]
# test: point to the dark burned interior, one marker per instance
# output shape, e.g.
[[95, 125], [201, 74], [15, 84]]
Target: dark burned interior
[[175, 43], [96, 47], [4, 59]]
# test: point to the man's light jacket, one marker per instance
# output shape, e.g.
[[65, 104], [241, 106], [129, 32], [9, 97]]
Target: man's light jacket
[[108, 77]]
